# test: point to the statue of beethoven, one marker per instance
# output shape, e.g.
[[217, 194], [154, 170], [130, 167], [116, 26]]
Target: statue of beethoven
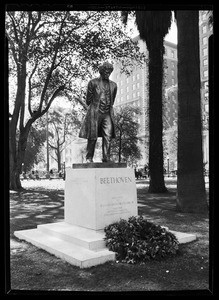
[[99, 120]]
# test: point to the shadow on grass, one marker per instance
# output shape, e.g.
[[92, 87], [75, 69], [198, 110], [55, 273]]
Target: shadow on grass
[[35, 206], [33, 268]]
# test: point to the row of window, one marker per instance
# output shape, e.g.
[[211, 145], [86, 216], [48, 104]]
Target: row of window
[[170, 53], [134, 86], [205, 73], [128, 79], [173, 82], [122, 98]]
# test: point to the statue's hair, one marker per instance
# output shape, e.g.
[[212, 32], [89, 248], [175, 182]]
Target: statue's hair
[[106, 65]]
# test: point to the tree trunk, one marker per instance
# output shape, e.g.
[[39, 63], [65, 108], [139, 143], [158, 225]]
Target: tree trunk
[[191, 196], [120, 146], [16, 161], [157, 184], [15, 182], [58, 159]]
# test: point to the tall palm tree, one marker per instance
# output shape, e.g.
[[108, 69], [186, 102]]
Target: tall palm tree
[[191, 195], [153, 27]]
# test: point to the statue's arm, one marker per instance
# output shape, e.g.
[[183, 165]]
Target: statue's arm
[[89, 96], [114, 93]]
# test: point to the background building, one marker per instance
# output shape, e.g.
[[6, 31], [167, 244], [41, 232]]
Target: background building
[[133, 90]]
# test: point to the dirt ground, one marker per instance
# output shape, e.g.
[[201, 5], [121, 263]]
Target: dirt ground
[[33, 269]]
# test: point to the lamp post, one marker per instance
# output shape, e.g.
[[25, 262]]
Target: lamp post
[[64, 170], [168, 166]]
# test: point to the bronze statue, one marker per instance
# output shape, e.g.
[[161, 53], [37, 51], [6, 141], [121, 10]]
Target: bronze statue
[[99, 120]]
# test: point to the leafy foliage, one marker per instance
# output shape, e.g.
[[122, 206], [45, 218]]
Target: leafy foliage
[[63, 124], [125, 145], [50, 54], [138, 241], [35, 142]]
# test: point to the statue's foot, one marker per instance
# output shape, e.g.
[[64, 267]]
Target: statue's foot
[[107, 160], [89, 160]]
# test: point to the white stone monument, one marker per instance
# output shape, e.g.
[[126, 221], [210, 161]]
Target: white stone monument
[[96, 195]]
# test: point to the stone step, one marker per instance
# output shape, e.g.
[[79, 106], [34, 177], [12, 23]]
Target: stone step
[[184, 237], [84, 237], [73, 254]]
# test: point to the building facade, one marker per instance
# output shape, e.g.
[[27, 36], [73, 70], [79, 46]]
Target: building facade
[[133, 90]]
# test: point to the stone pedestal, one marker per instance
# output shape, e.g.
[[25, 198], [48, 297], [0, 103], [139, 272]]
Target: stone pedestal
[[97, 197], [96, 194]]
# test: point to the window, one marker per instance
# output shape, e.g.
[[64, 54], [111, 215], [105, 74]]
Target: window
[[205, 51], [204, 40], [127, 97], [205, 73], [172, 53], [127, 89], [205, 62], [173, 81], [172, 72], [134, 86], [206, 85], [138, 93], [133, 77], [172, 64], [204, 29], [204, 16], [127, 79], [134, 95], [138, 85], [138, 76], [121, 99], [121, 91], [173, 97]]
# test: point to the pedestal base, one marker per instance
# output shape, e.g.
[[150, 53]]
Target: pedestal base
[[94, 198], [97, 197], [78, 246]]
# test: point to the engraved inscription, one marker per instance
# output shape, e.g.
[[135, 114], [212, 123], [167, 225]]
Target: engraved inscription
[[115, 180]]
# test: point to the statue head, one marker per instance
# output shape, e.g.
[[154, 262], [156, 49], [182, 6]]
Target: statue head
[[105, 70]]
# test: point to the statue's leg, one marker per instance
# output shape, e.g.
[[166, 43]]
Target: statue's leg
[[90, 150], [107, 129]]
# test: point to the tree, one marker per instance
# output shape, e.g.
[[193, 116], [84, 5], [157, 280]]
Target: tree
[[170, 145], [153, 27], [48, 53], [125, 145], [191, 195], [35, 142], [62, 126]]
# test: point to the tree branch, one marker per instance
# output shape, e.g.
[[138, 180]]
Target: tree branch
[[53, 63], [30, 89]]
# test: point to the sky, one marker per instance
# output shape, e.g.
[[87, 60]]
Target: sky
[[172, 35]]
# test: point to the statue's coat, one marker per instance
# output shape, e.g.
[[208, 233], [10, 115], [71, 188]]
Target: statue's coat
[[89, 128]]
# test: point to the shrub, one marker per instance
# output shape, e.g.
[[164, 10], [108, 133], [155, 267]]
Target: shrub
[[137, 240]]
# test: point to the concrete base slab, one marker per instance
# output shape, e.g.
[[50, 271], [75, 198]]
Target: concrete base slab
[[79, 246], [184, 237]]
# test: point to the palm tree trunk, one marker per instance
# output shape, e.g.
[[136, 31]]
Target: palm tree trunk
[[157, 184], [191, 196]]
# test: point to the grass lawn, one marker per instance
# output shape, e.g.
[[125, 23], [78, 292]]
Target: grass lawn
[[34, 269]]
